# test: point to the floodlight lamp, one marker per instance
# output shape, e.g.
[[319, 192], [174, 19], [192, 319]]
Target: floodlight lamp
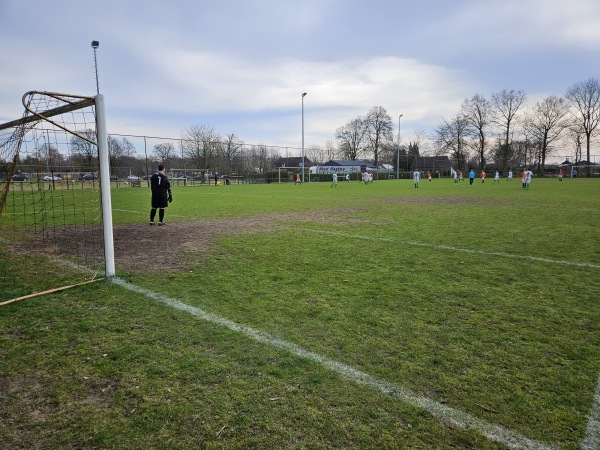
[[303, 94], [95, 44]]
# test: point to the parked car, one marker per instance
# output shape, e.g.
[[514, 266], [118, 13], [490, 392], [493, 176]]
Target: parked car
[[20, 177], [51, 178], [114, 178], [88, 177], [133, 178]]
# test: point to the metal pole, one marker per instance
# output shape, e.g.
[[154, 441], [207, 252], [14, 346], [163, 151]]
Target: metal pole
[[398, 160], [95, 45], [303, 136]]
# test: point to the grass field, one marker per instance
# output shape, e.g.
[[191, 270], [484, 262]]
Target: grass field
[[281, 316]]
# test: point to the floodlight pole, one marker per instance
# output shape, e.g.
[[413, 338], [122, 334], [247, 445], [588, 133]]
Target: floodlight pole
[[303, 136], [95, 45], [398, 160]]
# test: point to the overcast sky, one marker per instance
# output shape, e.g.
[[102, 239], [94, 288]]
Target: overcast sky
[[241, 66]]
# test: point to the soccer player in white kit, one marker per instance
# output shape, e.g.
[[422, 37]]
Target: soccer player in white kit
[[334, 182], [528, 175], [497, 177], [416, 178]]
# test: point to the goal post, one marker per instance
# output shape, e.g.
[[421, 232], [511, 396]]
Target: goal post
[[55, 226], [103, 157], [301, 170]]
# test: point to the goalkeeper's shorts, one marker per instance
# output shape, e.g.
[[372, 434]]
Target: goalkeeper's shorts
[[160, 200]]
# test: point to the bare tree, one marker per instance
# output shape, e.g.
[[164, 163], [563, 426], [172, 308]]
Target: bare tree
[[477, 111], [506, 105], [585, 99], [49, 155], [320, 154], [331, 151], [451, 137], [231, 150], [575, 136], [316, 154], [544, 122], [202, 145], [351, 138], [379, 129], [164, 153], [259, 157], [85, 151], [128, 148]]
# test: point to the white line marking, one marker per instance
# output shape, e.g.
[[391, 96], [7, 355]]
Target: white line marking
[[446, 413], [592, 433], [456, 249]]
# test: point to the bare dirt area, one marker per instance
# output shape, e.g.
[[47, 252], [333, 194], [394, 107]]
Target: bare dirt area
[[151, 248]]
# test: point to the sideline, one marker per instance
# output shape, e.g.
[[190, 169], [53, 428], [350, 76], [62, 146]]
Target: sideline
[[445, 413], [592, 433], [456, 249]]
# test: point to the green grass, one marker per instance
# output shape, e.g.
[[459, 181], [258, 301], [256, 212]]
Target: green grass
[[423, 289]]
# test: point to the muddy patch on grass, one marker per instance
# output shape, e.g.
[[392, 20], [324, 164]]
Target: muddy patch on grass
[[150, 248]]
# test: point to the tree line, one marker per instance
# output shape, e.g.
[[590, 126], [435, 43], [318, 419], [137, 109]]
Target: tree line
[[502, 129]]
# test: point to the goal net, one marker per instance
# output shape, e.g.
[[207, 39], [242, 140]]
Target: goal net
[[51, 196]]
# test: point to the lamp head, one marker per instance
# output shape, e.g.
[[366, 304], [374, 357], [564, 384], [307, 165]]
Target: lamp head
[[95, 44], [303, 94]]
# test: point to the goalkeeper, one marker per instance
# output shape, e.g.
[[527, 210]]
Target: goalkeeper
[[161, 195]]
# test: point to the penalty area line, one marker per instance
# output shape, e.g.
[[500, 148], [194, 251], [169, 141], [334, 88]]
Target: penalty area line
[[591, 441], [455, 249], [443, 412]]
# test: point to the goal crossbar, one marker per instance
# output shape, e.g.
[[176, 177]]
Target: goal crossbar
[[69, 107]]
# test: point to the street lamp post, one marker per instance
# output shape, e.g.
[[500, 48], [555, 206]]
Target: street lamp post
[[95, 45], [303, 136], [398, 160]]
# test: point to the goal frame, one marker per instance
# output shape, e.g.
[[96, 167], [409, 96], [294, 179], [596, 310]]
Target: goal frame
[[102, 146]]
